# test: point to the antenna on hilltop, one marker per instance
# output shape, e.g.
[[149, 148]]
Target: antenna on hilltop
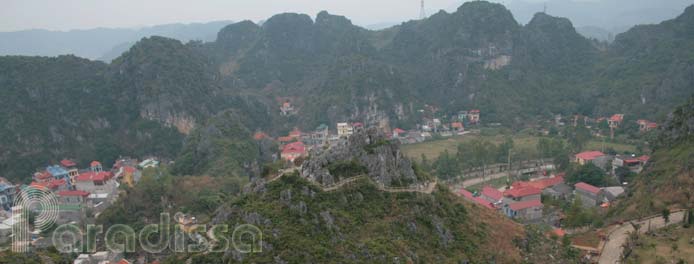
[[544, 9], [422, 13]]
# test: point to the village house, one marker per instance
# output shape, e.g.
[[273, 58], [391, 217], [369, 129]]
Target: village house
[[492, 195], [399, 133], [615, 120], [633, 164], [521, 194], [148, 163], [102, 187], [344, 130], [645, 125], [59, 173], [53, 185], [286, 108], [319, 136], [457, 127], [128, 175], [72, 206], [461, 117], [95, 166], [596, 158], [71, 168], [529, 211], [292, 151], [478, 200], [589, 195], [561, 191], [473, 116], [7, 194]]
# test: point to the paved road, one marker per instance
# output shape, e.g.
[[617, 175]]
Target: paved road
[[612, 251]]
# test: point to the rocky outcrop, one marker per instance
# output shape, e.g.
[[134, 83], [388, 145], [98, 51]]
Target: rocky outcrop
[[370, 151]]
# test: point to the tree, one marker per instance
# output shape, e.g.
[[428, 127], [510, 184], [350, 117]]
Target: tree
[[578, 137], [666, 215], [588, 173], [446, 166], [483, 153]]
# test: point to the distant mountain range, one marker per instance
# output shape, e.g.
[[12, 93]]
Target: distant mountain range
[[103, 44], [201, 102]]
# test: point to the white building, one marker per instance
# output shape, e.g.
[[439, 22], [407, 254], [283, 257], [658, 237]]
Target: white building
[[344, 129]]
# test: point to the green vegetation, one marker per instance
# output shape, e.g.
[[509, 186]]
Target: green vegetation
[[672, 244], [589, 174], [359, 223], [160, 192], [666, 180]]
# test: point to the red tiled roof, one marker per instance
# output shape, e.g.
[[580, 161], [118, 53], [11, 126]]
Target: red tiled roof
[[43, 175], [522, 192], [399, 131], [457, 125], [617, 118], [642, 121], [465, 193], [589, 155], [468, 195], [492, 193], [259, 135], [39, 185], [587, 187], [644, 158], [475, 111], [93, 176], [525, 205], [652, 125], [129, 169], [295, 133], [73, 193], [483, 202], [285, 139], [296, 147], [559, 232], [54, 184], [357, 124], [95, 164], [68, 163]]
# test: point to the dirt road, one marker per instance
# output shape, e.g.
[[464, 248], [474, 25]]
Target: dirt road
[[612, 251]]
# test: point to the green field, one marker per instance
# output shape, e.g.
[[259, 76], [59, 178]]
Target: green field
[[527, 145], [669, 245]]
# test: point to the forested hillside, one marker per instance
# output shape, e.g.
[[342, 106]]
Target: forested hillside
[[160, 91], [668, 180]]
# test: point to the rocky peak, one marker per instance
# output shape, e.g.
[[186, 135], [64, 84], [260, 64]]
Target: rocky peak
[[238, 35], [366, 152]]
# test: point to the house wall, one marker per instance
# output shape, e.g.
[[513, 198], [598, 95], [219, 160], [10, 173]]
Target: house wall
[[532, 213], [587, 199], [530, 198]]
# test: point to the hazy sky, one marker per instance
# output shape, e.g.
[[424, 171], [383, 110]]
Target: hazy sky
[[83, 14], [80, 14]]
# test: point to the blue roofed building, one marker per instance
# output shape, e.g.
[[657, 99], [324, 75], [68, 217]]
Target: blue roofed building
[[7, 193], [58, 173]]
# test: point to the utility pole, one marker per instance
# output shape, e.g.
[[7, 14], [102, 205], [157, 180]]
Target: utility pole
[[508, 167]]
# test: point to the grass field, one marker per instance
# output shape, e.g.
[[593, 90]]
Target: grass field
[[669, 245], [522, 144]]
